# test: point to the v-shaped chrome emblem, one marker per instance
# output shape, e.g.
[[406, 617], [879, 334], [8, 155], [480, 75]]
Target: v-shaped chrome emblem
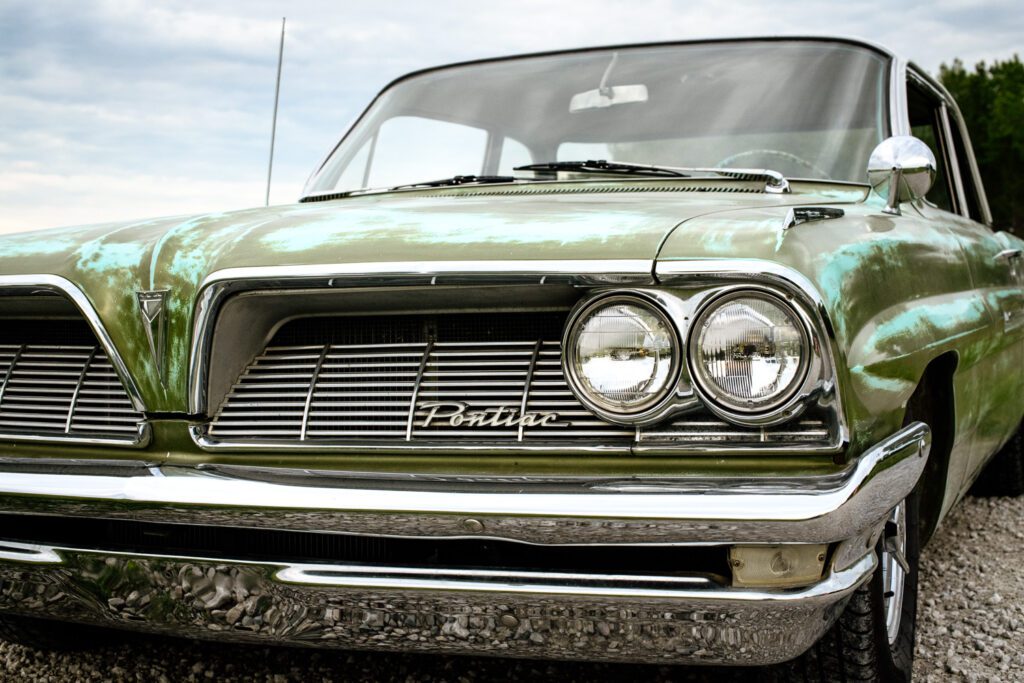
[[151, 306]]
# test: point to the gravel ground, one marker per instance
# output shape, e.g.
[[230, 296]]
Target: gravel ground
[[971, 628]]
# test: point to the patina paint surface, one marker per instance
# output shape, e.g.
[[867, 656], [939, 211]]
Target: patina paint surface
[[112, 262], [899, 291]]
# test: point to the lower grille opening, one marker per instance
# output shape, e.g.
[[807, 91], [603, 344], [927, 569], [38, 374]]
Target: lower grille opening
[[268, 545], [57, 381]]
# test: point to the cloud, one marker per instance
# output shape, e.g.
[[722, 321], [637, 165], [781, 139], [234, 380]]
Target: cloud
[[35, 198], [130, 108]]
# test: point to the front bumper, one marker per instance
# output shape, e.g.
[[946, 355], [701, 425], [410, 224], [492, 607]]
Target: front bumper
[[660, 616]]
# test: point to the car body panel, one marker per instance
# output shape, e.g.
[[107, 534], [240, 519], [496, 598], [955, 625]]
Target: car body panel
[[576, 221]]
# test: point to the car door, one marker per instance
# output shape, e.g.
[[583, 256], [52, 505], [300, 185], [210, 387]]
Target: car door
[[997, 274]]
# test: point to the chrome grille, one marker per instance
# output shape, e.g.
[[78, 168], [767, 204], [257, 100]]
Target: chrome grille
[[427, 371], [387, 390], [67, 390]]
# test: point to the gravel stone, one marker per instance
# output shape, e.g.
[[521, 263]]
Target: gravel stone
[[970, 628]]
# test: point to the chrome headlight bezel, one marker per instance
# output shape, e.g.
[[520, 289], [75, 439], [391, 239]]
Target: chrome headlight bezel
[[659, 404], [768, 413]]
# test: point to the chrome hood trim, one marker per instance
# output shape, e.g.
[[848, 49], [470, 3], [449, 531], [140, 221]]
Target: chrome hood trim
[[219, 285]]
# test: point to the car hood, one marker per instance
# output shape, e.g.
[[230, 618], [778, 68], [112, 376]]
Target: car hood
[[578, 221]]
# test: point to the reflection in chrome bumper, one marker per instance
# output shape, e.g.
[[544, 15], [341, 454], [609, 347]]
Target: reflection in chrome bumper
[[634, 618]]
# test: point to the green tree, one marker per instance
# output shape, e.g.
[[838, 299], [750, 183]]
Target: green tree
[[992, 101]]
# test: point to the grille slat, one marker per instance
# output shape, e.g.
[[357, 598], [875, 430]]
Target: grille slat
[[61, 390], [485, 370]]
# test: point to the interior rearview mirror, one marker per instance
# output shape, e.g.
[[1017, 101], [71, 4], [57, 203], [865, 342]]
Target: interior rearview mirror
[[606, 97]]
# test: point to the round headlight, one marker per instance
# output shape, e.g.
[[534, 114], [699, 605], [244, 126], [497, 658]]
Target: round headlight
[[749, 352], [622, 356]]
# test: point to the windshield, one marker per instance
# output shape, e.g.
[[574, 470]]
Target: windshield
[[806, 109]]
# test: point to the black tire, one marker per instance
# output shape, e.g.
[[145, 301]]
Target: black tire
[[857, 646], [1004, 473], [46, 634]]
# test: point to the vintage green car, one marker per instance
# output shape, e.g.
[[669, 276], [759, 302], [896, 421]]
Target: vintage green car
[[666, 353]]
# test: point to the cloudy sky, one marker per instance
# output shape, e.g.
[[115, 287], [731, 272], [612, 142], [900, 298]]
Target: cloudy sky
[[123, 109]]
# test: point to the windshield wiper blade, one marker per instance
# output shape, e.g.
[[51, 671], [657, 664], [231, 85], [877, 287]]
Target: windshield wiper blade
[[774, 181], [603, 166], [459, 180]]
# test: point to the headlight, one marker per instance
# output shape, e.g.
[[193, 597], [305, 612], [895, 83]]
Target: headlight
[[749, 352], [622, 356]]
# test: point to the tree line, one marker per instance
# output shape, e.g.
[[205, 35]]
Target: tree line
[[991, 98]]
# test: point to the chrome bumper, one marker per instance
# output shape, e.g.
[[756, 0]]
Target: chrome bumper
[[553, 616], [660, 617], [808, 509]]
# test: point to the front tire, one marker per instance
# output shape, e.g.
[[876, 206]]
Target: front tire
[[873, 639]]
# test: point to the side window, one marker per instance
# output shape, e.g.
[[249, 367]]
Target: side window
[[964, 166], [925, 110]]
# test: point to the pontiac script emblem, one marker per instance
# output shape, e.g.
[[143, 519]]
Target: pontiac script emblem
[[458, 414], [151, 306]]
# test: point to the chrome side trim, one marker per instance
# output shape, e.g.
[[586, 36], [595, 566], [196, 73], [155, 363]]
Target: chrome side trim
[[959, 192], [809, 509], [553, 615], [219, 285], [60, 285]]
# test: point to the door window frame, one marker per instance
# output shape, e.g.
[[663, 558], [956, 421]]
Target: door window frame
[[949, 116]]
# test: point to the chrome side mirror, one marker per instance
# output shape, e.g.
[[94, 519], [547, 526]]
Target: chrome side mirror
[[901, 169]]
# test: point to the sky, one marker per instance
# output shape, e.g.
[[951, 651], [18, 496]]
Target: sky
[[124, 109]]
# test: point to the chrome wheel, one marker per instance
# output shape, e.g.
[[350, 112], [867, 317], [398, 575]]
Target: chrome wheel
[[894, 569]]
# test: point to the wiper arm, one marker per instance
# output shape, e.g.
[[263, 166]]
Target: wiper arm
[[603, 166], [459, 180], [774, 181]]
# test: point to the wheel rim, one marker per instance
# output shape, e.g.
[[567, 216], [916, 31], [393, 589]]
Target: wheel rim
[[893, 576]]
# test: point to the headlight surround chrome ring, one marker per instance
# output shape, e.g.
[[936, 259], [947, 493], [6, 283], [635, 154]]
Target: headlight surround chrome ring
[[635, 412], [738, 409]]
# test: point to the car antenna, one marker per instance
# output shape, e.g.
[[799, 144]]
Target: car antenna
[[273, 125]]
